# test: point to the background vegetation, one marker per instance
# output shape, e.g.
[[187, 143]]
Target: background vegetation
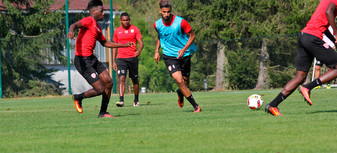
[[241, 26]]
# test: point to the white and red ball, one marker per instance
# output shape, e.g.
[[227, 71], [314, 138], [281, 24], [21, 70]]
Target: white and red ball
[[255, 101]]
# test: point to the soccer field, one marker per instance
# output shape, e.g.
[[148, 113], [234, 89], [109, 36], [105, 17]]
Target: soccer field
[[226, 124]]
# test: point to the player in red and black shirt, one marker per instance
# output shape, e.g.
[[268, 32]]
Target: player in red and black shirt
[[310, 45], [127, 58], [87, 63]]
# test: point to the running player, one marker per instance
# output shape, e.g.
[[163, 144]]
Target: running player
[[176, 38], [87, 63], [310, 45], [127, 58]]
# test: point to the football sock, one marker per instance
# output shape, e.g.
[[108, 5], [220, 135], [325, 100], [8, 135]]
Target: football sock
[[278, 99], [79, 97], [121, 98], [192, 101], [136, 98], [313, 84], [180, 94], [105, 103]]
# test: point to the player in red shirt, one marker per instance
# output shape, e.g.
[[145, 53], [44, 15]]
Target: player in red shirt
[[310, 45], [127, 58], [87, 63]]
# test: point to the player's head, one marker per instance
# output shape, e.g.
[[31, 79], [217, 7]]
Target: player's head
[[95, 8], [164, 3], [165, 10], [125, 20]]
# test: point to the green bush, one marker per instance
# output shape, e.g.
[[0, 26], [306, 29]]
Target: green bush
[[32, 88], [243, 69], [278, 79]]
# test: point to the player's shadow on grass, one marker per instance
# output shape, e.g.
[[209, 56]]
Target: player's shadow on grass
[[126, 115], [327, 111], [150, 103]]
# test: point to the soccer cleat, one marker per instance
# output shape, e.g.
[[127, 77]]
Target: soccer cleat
[[180, 98], [78, 104], [318, 87], [120, 104], [105, 115], [197, 109], [328, 87], [306, 94], [136, 104], [272, 110]]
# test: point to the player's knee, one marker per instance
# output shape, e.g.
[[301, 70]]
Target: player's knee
[[109, 84], [301, 80], [180, 82], [100, 90], [122, 78]]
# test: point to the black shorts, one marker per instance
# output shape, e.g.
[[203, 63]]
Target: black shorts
[[310, 46], [124, 64], [182, 64], [89, 67]]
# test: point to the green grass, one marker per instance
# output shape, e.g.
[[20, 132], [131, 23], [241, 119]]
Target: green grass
[[226, 124]]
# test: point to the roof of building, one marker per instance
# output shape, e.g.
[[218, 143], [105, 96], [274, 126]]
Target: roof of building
[[58, 4]]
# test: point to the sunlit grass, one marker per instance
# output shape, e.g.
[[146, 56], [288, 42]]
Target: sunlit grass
[[226, 124]]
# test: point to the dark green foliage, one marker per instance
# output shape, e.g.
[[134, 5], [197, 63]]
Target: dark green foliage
[[239, 24], [155, 77], [202, 65], [279, 79], [32, 88], [27, 36], [243, 68]]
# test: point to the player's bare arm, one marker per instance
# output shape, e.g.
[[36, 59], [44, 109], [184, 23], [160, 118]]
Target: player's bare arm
[[156, 51], [110, 44], [330, 11], [141, 46], [114, 55], [72, 28], [188, 44]]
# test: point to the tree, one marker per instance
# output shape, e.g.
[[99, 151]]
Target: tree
[[26, 33], [235, 28], [242, 19]]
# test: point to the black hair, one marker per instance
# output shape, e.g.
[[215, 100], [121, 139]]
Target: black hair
[[125, 14], [164, 3], [94, 3]]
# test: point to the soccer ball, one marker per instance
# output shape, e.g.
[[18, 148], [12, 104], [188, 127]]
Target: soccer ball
[[254, 101]]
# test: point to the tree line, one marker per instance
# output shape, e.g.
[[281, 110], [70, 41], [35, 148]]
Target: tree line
[[242, 44]]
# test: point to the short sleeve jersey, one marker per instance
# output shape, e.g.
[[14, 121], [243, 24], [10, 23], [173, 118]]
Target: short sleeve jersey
[[87, 36], [173, 37], [319, 22], [123, 36]]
